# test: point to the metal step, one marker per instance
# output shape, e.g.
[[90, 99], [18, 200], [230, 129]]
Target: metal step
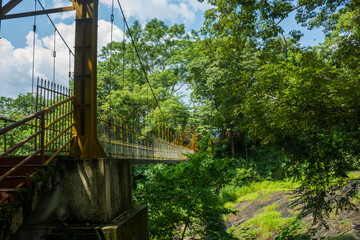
[[13, 160], [24, 170], [14, 181]]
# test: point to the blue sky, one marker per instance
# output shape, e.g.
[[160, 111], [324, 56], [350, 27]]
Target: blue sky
[[17, 36]]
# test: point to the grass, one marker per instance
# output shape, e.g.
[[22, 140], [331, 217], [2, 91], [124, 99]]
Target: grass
[[265, 225], [232, 195], [354, 174]]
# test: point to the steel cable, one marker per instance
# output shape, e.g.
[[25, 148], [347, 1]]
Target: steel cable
[[62, 38]]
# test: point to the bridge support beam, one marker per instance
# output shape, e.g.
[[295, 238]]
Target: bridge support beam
[[85, 80]]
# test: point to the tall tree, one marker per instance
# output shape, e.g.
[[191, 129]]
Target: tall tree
[[300, 101]]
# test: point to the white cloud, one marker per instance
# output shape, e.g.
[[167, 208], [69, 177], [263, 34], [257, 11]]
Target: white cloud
[[16, 63], [104, 35], [14, 67], [175, 11], [64, 15], [60, 3], [183, 11]]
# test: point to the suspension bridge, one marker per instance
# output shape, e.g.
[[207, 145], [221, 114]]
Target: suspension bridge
[[70, 122]]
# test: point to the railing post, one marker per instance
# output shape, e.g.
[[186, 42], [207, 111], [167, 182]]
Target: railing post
[[42, 136], [196, 147]]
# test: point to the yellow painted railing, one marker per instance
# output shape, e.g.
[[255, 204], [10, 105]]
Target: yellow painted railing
[[122, 142]]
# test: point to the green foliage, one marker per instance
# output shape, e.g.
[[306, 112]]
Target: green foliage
[[302, 103], [12, 110], [184, 197], [164, 55], [294, 232], [188, 198], [232, 194], [17, 108], [302, 109], [258, 19]]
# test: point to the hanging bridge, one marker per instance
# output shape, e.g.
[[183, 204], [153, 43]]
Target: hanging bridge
[[82, 121]]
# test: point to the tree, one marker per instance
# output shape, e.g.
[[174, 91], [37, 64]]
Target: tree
[[12, 110], [17, 108], [184, 196], [217, 89], [300, 101], [163, 55]]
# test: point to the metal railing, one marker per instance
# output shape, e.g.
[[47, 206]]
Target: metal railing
[[42, 138], [119, 141], [46, 136]]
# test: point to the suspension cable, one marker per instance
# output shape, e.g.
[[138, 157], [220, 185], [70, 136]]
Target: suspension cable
[[163, 131], [138, 55], [69, 67], [54, 55], [111, 47], [33, 55], [62, 38], [110, 63], [123, 63]]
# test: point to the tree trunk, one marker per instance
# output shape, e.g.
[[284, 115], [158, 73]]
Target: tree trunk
[[183, 234], [232, 144]]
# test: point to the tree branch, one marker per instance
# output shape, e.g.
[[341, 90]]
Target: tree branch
[[174, 91]]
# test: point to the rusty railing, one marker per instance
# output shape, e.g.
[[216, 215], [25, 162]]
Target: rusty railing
[[39, 134], [45, 133]]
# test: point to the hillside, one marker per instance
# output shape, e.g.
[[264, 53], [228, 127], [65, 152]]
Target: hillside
[[264, 211]]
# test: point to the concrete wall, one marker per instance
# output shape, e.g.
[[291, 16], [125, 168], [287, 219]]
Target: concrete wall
[[89, 191]]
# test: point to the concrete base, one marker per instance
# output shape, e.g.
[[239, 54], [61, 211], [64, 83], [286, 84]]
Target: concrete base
[[131, 225], [88, 191]]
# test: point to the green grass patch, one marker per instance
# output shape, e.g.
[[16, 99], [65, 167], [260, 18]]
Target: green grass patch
[[231, 229], [232, 195], [265, 225], [354, 174]]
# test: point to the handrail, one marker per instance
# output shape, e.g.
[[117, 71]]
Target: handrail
[[43, 146], [59, 150], [133, 143], [13, 121], [21, 122], [19, 144], [59, 103], [60, 118], [20, 164], [32, 116], [59, 135], [141, 134]]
